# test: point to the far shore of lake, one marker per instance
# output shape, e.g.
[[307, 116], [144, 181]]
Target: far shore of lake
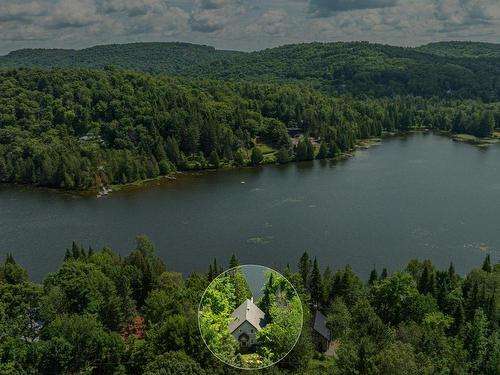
[[270, 158]]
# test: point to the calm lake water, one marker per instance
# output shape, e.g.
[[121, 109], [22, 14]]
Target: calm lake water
[[423, 196]]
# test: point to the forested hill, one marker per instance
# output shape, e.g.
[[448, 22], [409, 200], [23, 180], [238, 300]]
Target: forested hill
[[462, 49], [170, 58], [451, 69], [83, 128]]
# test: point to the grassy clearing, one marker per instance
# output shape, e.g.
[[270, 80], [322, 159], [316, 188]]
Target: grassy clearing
[[266, 149], [468, 138], [369, 142]]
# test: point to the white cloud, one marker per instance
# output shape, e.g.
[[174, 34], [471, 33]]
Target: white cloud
[[273, 22], [20, 11], [243, 24], [207, 21], [325, 8]]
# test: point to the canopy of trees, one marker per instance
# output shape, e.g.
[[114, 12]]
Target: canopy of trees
[[80, 129], [101, 313], [448, 70]]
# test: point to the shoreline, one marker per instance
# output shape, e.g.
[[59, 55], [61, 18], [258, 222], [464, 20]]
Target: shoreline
[[362, 144]]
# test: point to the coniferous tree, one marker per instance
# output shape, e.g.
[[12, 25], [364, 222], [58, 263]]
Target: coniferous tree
[[491, 309], [316, 284], [451, 271], [256, 158], [486, 125], [233, 262], [323, 151], [373, 277], [473, 301], [210, 273], [423, 281], [487, 264], [12, 273], [384, 274], [475, 341], [215, 268], [283, 155], [213, 159], [239, 158], [305, 269], [304, 150], [458, 319]]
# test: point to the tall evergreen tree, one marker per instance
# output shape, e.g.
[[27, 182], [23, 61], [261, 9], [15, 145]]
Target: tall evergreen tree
[[233, 262], [384, 274], [323, 151], [487, 264], [373, 277], [475, 341], [451, 271], [458, 319], [316, 284], [305, 269]]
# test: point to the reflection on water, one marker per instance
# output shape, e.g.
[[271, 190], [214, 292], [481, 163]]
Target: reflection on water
[[420, 196]]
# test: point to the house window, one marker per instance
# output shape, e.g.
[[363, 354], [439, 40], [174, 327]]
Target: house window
[[251, 330]]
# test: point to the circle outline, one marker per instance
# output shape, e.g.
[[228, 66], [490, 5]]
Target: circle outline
[[251, 368]]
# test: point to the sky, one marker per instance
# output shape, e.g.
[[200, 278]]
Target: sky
[[243, 24]]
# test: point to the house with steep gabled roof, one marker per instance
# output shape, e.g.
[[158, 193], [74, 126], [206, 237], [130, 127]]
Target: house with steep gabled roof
[[248, 319], [323, 336], [321, 332]]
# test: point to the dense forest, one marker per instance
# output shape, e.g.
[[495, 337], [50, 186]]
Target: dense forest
[[101, 313], [462, 49], [449, 70], [83, 128]]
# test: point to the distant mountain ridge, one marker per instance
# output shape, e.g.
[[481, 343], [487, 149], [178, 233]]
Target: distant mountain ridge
[[445, 69], [149, 57], [462, 49]]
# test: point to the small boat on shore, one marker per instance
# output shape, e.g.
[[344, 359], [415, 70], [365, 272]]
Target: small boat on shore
[[103, 192]]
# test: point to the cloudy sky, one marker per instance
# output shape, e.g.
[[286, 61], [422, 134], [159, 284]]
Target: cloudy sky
[[243, 24]]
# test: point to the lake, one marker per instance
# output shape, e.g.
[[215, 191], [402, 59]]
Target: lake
[[421, 196]]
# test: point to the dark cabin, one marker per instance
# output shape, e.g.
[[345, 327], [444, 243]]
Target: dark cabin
[[321, 333]]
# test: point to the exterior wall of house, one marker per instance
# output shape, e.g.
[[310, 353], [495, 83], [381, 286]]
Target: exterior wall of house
[[320, 342], [249, 330]]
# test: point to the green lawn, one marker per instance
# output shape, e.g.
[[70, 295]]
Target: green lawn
[[266, 149]]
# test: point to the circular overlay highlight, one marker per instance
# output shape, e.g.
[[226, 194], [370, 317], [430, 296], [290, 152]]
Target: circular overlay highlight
[[250, 317]]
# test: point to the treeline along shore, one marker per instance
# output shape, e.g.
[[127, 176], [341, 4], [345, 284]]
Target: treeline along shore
[[101, 313], [75, 128], [118, 114]]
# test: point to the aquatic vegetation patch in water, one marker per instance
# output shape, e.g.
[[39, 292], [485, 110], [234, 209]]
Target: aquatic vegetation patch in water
[[260, 240]]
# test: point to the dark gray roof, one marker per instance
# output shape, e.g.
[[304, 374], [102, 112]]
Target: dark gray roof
[[320, 325], [247, 311]]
